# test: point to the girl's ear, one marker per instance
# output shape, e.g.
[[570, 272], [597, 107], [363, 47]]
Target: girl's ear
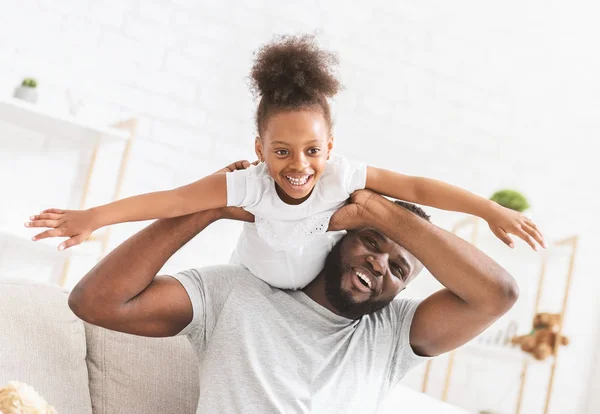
[[258, 148], [329, 146]]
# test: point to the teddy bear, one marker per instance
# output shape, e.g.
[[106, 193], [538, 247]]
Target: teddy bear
[[20, 398], [543, 337]]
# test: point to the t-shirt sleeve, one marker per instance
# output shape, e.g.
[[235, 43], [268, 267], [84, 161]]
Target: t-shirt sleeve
[[208, 289], [404, 357], [244, 187], [353, 174]]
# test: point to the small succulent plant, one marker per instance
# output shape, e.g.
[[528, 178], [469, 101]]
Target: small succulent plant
[[511, 199], [29, 82]]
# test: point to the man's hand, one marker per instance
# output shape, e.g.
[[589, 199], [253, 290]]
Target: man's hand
[[235, 213], [357, 213], [238, 165]]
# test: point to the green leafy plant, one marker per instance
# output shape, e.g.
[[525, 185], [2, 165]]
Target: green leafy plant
[[511, 199], [29, 82]]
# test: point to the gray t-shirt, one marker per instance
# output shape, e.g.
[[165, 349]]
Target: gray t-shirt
[[266, 350]]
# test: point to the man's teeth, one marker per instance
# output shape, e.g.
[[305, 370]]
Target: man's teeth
[[298, 180], [364, 278]]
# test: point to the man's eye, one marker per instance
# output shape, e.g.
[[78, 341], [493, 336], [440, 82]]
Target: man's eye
[[370, 241], [282, 152], [398, 270]]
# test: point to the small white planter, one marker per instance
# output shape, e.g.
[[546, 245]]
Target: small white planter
[[26, 93]]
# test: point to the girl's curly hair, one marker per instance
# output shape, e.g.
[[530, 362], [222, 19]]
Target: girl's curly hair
[[292, 73]]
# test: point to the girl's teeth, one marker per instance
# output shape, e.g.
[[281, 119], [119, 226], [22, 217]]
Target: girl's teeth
[[298, 181]]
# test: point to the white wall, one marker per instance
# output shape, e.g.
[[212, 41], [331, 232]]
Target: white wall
[[480, 94]]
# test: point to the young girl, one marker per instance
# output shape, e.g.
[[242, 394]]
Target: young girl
[[298, 184]]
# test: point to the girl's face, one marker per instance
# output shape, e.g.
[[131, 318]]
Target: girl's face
[[295, 146]]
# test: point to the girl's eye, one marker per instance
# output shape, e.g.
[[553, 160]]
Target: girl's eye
[[313, 151], [282, 152]]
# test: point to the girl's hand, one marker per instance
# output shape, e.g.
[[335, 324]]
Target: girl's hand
[[78, 225], [503, 221]]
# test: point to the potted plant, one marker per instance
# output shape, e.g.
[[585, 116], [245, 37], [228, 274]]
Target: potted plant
[[511, 199], [27, 90]]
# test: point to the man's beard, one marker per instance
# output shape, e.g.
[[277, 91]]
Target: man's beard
[[340, 300]]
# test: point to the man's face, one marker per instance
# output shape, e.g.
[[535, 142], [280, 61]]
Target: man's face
[[365, 271]]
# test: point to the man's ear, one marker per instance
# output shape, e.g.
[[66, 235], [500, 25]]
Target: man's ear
[[258, 148]]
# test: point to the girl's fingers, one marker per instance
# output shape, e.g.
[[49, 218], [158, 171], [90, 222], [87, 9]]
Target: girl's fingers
[[46, 234], [53, 210], [535, 234], [73, 241], [42, 223], [525, 236], [531, 224], [502, 235], [45, 216]]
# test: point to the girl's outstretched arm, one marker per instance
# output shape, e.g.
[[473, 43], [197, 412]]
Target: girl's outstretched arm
[[438, 194], [205, 194]]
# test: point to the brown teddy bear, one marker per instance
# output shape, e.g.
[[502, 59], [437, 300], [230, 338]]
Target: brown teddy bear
[[542, 339], [20, 398]]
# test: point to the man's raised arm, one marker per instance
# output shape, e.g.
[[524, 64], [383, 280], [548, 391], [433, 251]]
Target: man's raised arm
[[477, 290], [123, 293]]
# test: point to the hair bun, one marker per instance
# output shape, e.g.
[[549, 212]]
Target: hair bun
[[291, 70]]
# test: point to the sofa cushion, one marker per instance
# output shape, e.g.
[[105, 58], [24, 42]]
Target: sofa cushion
[[134, 374], [42, 343]]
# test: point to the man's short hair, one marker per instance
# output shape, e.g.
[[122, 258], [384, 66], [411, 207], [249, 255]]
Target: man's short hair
[[413, 208]]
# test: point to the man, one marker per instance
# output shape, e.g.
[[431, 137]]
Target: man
[[336, 346]]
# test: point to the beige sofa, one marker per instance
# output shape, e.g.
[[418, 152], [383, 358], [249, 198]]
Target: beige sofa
[[80, 368]]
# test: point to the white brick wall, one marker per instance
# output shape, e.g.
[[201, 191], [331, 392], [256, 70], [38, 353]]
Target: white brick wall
[[479, 94]]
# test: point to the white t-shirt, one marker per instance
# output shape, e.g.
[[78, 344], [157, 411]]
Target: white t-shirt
[[286, 246]]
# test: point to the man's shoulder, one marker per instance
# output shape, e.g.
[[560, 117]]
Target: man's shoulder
[[216, 280], [400, 311], [225, 271]]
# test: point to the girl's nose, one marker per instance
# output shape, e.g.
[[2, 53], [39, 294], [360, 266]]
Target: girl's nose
[[299, 162]]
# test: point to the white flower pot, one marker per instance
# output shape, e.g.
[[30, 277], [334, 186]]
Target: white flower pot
[[26, 93]]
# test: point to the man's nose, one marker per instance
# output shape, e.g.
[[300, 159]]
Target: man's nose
[[378, 263]]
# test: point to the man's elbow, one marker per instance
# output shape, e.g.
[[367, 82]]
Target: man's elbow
[[506, 295], [81, 307]]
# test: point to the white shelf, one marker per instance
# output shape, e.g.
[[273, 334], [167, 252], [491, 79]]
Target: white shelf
[[33, 117]]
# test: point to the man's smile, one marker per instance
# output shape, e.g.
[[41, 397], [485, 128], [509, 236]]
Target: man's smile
[[364, 280]]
